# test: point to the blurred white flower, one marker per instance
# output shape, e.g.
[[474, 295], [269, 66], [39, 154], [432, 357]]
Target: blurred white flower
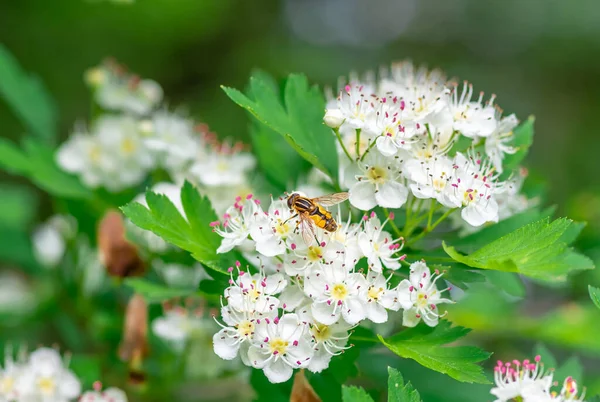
[[108, 395]]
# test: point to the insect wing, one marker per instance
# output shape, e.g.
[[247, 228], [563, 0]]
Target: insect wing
[[331, 199], [306, 229]]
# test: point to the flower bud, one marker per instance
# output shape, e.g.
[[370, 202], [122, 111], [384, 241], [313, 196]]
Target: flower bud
[[333, 118], [120, 257]]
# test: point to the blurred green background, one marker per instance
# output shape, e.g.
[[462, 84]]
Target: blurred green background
[[539, 57]]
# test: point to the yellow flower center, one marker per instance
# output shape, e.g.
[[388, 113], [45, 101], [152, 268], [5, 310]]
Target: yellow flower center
[[282, 229], [6, 385], [46, 385], [469, 196], [321, 332], [339, 291], [377, 174], [421, 300], [95, 153], [374, 293], [128, 146], [222, 166], [246, 328], [278, 346], [315, 253]]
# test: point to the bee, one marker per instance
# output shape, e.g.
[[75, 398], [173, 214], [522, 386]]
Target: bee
[[310, 213]]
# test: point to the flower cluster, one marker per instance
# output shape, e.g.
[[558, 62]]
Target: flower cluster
[[527, 381], [108, 395], [133, 136], [43, 376], [297, 307], [399, 135]]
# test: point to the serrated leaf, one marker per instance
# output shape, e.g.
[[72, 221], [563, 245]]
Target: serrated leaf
[[398, 391], [594, 295], [535, 250], [298, 117], [426, 346], [155, 292], [355, 394], [509, 282], [191, 233], [27, 97]]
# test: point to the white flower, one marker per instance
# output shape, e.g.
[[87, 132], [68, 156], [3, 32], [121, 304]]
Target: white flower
[[432, 179], [176, 326], [274, 230], [82, 154], [280, 346], [380, 298], [419, 296], [474, 188], [379, 246], [236, 334], [336, 293], [393, 131], [347, 236], [48, 245], [329, 340], [223, 166], [172, 139], [117, 90], [9, 376], [497, 144], [354, 105], [302, 259], [377, 183], [238, 221], [255, 292], [472, 119], [293, 296], [46, 378], [516, 378], [108, 395]]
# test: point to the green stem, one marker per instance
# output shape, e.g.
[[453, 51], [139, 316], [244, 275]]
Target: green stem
[[371, 145], [431, 210], [339, 137], [357, 145], [364, 339], [392, 223], [429, 228]]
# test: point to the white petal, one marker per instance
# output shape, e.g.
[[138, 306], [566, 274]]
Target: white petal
[[271, 246], [386, 146], [362, 195], [419, 274], [404, 294], [409, 318], [257, 357], [391, 194], [376, 313], [69, 386], [278, 371], [224, 345], [430, 319], [354, 311], [324, 314], [320, 360]]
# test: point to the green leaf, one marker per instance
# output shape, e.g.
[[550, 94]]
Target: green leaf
[[17, 206], [507, 281], [191, 233], [298, 117], [523, 138], [398, 391], [27, 97], [36, 162], [327, 384], [425, 345], [355, 394], [155, 292], [535, 250], [594, 295], [268, 392]]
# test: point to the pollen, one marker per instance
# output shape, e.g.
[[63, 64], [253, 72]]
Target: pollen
[[278, 346], [339, 291], [377, 174], [246, 328]]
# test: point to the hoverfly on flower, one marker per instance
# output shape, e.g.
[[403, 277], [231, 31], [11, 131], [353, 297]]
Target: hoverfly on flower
[[310, 213]]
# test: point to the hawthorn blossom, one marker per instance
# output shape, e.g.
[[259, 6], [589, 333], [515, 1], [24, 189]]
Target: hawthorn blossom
[[377, 182], [238, 221], [176, 326], [431, 178], [472, 118], [335, 293], [280, 345], [272, 231], [474, 188], [304, 259], [255, 292], [497, 145], [380, 298], [419, 296], [108, 395], [379, 246], [225, 165]]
